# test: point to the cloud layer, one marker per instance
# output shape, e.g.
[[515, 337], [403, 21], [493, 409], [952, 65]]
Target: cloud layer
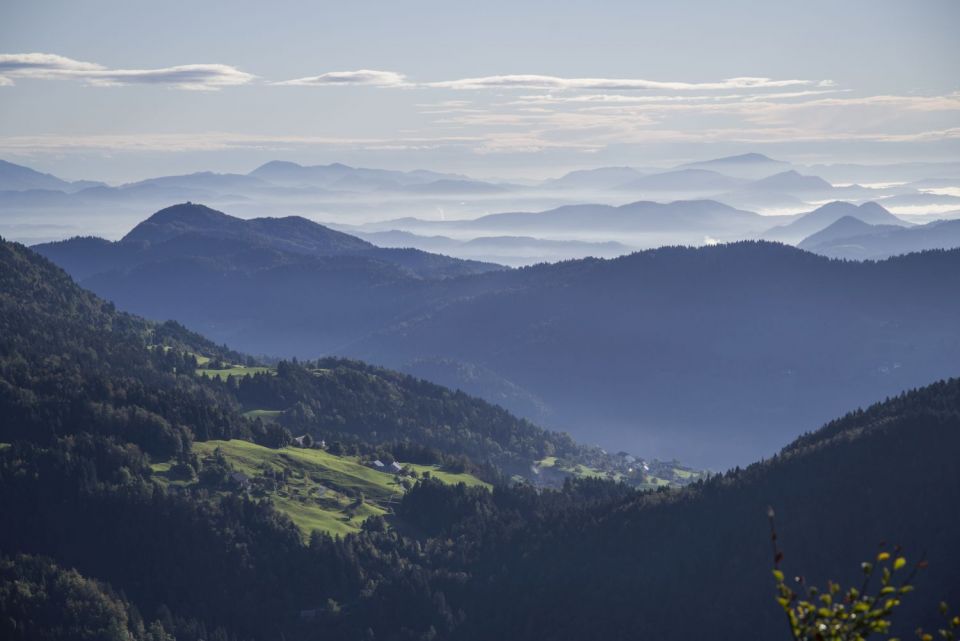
[[214, 76], [370, 77], [49, 66], [528, 81], [527, 113]]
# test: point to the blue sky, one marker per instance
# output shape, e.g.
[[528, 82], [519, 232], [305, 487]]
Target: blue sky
[[120, 90]]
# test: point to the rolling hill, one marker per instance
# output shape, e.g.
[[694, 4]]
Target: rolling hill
[[714, 355], [514, 251], [826, 215], [860, 241], [19, 178], [641, 223], [719, 353], [683, 180], [111, 371], [594, 179], [343, 177], [885, 474], [100, 407], [749, 166]]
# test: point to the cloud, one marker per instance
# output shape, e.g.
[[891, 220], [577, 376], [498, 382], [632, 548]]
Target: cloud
[[213, 141], [530, 81], [49, 66], [367, 77]]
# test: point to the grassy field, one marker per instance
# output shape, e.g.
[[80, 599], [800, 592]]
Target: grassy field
[[448, 477], [321, 490], [673, 477], [578, 470]]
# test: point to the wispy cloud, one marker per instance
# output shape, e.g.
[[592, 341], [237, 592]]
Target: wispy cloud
[[51, 66], [213, 141], [369, 77], [531, 81]]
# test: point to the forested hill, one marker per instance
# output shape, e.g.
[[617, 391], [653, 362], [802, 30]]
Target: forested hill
[[72, 363], [674, 566], [715, 355], [721, 353], [337, 399], [192, 231], [90, 402]]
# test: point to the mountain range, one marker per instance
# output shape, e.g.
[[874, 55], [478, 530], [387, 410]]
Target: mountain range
[[641, 223], [717, 353], [131, 516], [515, 251], [826, 215], [363, 200], [19, 178], [854, 239]]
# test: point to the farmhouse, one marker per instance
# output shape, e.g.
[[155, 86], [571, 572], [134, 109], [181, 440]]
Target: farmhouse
[[302, 441], [241, 480], [396, 467]]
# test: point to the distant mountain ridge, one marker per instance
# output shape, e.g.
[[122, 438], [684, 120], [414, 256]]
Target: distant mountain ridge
[[599, 178], [792, 181], [853, 239], [514, 251], [764, 338], [15, 177], [641, 223], [751, 166], [812, 222], [182, 230], [683, 180], [344, 176], [716, 352]]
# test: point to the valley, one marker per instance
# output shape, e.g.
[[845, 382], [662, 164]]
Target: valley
[[501, 321]]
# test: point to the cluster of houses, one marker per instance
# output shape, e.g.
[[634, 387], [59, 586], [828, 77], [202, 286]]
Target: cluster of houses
[[380, 466], [306, 441]]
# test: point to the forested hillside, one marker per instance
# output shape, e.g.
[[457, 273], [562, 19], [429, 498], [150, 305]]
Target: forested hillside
[[720, 353], [96, 398], [72, 363], [715, 355]]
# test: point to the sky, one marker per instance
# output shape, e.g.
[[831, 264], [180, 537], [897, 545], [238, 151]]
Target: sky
[[120, 90]]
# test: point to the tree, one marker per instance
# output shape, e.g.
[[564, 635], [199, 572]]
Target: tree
[[852, 614]]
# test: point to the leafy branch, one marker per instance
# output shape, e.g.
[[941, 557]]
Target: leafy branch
[[852, 614]]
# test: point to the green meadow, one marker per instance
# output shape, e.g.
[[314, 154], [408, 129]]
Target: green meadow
[[320, 491]]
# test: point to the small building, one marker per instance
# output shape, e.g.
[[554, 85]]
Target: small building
[[301, 441], [241, 480], [378, 465], [396, 467]]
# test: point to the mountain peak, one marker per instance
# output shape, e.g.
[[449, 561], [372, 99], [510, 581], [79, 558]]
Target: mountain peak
[[14, 177], [277, 164], [792, 180], [178, 219], [751, 157], [843, 227]]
